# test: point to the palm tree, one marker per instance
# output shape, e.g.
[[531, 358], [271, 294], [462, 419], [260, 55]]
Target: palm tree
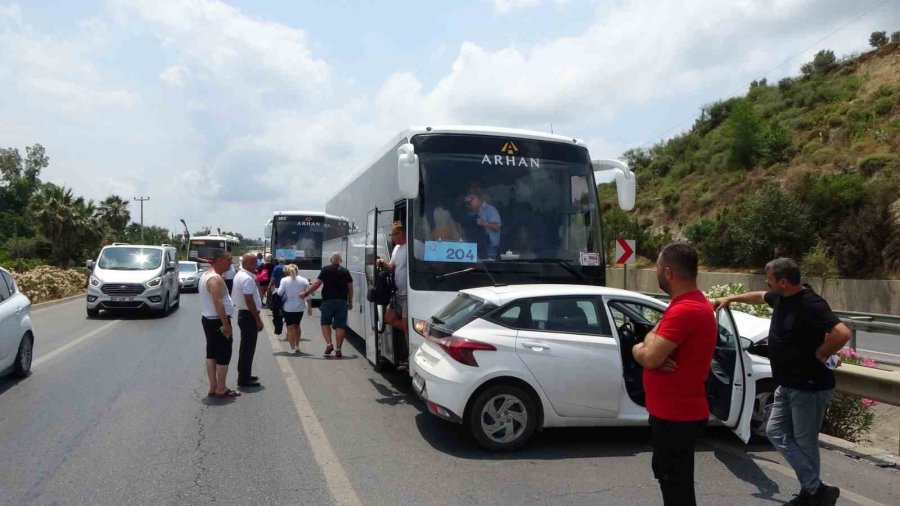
[[53, 210], [114, 214]]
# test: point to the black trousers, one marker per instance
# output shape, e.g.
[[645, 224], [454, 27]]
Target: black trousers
[[673, 459], [247, 324], [276, 305]]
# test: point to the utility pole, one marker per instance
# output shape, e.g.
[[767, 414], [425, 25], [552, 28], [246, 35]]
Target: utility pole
[[142, 200]]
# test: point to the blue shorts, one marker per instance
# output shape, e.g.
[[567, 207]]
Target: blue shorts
[[334, 312]]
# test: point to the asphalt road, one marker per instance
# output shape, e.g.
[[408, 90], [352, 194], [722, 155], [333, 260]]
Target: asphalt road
[[115, 413]]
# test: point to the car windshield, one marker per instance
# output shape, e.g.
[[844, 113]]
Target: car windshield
[[130, 259], [528, 215], [182, 267]]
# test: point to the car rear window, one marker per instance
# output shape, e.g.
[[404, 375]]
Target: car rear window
[[462, 310]]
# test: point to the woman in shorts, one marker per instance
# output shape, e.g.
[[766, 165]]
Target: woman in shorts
[[290, 290]]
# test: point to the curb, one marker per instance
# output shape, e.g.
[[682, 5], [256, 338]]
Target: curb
[[878, 456], [49, 303]]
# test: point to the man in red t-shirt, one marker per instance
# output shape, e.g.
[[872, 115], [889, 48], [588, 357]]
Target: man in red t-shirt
[[676, 356]]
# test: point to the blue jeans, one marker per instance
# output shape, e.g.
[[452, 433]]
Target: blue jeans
[[793, 429]]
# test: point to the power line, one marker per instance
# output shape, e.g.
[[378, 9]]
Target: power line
[[773, 69]]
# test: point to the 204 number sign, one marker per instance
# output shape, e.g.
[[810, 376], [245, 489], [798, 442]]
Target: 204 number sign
[[459, 252]]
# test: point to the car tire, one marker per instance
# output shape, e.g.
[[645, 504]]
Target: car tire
[[164, 310], [762, 409], [177, 301], [22, 365], [93, 313], [498, 429]]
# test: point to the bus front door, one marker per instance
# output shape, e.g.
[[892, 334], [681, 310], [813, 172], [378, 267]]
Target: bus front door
[[379, 346]]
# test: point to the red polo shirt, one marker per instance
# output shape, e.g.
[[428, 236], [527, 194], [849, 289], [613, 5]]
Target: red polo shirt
[[680, 396]]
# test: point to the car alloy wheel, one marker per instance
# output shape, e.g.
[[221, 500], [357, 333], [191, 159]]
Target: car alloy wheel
[[503, 417]]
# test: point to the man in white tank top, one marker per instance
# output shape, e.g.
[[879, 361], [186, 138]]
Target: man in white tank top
[[216, 308]]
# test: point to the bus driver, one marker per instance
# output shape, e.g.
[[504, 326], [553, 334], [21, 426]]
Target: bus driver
[[486, 217]]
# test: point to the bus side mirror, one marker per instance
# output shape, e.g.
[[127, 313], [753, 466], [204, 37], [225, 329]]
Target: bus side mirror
[[626, 182], [408, 171]]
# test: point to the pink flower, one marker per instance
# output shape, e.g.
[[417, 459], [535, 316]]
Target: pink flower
[[869, 362], [844, 352], [868, 402]]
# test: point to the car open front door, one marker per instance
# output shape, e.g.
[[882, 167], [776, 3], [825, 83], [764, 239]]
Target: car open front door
[[729, 388]]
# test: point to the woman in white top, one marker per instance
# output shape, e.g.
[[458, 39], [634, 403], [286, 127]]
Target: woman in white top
[[293, 305]]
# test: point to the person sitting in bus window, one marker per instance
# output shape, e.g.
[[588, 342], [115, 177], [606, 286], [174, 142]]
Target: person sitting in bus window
[[487, 218]]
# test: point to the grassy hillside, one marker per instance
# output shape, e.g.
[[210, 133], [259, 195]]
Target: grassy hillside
[[807, 167]]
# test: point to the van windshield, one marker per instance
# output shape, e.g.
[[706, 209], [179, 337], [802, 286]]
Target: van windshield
[[130, 259]]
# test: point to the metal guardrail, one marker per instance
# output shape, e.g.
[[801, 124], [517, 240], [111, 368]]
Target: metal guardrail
[[876, 384]]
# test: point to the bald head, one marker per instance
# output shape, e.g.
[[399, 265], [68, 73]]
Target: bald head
[[248, 262]]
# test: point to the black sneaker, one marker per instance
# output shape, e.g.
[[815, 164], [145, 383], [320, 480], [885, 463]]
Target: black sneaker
[[825, 496], [801, 499]]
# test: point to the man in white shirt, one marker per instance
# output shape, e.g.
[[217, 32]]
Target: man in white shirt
[[248, 303], [398, 265]]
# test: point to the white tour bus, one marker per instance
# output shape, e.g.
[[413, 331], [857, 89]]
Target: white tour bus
[[201, 247], [542, 186], [298, 236]]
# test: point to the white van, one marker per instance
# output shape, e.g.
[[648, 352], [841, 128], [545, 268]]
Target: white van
[[133, 277]]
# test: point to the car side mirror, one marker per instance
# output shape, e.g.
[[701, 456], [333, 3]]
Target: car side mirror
[[408, 171], [89, 264], [171, 266]]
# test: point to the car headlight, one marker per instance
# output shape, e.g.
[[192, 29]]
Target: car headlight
[[153, 283], [95, 282], [189, 279]]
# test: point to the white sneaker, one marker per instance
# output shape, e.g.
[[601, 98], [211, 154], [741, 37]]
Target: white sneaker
[[296, 351], [293, 350]]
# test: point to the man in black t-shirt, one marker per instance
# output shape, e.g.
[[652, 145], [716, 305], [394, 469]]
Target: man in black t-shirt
[[337, 298], [803, 334]]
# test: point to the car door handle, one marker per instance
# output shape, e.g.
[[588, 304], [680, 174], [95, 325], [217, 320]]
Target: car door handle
[[536, 346]]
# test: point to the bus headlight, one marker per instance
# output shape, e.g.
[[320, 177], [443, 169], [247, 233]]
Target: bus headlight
[[153, 283]]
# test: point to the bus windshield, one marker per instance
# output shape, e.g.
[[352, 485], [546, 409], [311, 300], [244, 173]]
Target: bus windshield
[[298, 239], [507, 211]]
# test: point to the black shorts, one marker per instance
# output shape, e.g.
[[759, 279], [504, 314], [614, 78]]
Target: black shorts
[[218, 347], [292, 318]]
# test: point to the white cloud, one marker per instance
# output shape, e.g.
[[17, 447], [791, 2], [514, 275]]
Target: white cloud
[[174, 76], [57, 71], [502, 7]]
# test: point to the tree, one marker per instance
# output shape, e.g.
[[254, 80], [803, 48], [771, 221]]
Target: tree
[[19, 180], [895, 37], [771, 224], [878, 39], [114, 214], [745, 127], [67, 221], [775, 142], [821, 63]]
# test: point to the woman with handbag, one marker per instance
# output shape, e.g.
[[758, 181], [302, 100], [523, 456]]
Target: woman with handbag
[[293, 304]]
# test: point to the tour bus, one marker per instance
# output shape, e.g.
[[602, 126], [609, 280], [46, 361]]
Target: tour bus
[[297, 236], [201, 247], [542, 186], [267, 241]]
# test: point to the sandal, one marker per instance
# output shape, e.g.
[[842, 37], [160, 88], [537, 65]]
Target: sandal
[[338, 354], [228, 393], [329, 349]]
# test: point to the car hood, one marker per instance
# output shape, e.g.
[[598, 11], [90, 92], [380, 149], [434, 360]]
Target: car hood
[[751, 327], [113, 276], [183, 275]]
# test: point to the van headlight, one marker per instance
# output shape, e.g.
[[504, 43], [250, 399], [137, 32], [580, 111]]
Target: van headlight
[[153, 283], [95, 282]]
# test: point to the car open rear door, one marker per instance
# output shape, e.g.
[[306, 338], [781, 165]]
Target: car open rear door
[[730, 390]]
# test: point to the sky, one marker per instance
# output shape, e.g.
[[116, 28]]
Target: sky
[[224, 111]]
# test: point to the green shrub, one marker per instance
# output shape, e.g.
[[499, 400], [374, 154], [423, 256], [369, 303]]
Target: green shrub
[[863, 245], [775, 143], [849, 417], [772, 224], [831, 197], [824, 155], [883, 106], [878, 162], [746, 130], [818, 263]]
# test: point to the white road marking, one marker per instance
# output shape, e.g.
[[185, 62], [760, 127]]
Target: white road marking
[[71, 344], [336, 478], [778, 468]]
